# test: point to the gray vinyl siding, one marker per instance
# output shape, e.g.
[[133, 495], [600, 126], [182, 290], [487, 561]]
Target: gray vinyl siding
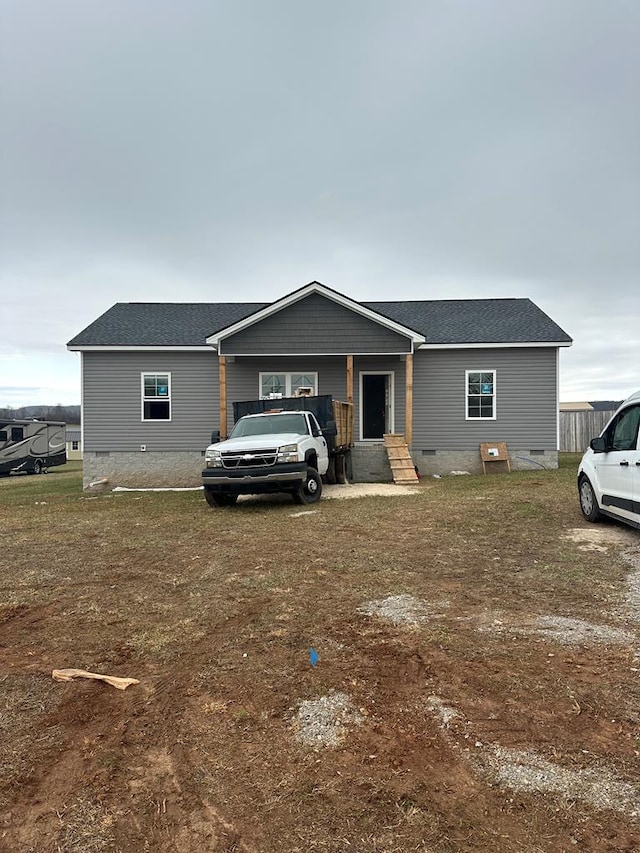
[[112, 414], [315, 325], [526, 399], [243, 376], [243, 382]]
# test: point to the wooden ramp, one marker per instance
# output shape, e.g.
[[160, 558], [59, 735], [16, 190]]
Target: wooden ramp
[[402, 467]]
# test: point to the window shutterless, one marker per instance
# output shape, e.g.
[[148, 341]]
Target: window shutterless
[[156, 396], [480, 394], [286, 384]]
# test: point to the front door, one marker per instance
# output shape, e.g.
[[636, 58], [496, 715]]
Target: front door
[[376, 405]]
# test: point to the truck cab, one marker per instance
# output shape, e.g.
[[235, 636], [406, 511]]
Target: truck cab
[[272, 451]]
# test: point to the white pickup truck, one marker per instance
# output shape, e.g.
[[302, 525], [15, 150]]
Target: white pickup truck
[[284, 451]]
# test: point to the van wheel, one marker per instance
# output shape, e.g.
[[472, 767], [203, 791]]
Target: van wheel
[[311, 490], [38, 466], [219, 499], [588, 502]]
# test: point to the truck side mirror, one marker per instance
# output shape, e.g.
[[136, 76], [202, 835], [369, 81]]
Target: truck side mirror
[[598, 445], [215, 436], [331, 430]]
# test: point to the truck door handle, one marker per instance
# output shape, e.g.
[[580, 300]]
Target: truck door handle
[[624, 463]]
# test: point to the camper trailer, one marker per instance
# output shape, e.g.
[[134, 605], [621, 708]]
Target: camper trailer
[[30, 447]]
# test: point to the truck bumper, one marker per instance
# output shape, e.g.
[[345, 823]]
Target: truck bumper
[[255, 481]]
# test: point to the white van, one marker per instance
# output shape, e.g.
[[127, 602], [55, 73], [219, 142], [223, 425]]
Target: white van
[[609, 474]]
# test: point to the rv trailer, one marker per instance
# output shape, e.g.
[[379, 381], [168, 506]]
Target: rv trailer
[[31, 446]]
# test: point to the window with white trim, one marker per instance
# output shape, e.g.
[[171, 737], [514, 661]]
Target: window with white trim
[[75, 445], [156, 396], [480, 394], [288, 384]]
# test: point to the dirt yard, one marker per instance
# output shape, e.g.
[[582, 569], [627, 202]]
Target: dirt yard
[[456, 669]]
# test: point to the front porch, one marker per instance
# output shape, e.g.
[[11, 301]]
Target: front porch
[[379, 387]]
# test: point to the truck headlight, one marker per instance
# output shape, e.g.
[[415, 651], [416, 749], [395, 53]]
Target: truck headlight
[[213, 458], [289, 453]]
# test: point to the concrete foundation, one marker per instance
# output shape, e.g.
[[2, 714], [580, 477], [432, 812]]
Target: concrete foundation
[[143, 469], [368, 464], [445, 461]]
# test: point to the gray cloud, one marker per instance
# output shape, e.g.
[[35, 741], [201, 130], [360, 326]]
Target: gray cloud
[[207, 151]]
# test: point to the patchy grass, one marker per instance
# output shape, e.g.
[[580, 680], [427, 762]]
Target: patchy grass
[[215, 612], [86, 828]]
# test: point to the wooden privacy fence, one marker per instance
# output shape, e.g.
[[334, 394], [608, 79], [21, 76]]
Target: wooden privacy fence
[[578, 428]]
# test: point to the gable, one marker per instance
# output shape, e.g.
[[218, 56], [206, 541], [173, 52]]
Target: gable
[[324, 321], [315, 324]]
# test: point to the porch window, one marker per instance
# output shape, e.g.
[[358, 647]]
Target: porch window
[[156, 396], [287, 384], [480, 394]]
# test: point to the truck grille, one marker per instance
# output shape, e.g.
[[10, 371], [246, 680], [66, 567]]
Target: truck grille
[[253, 459]]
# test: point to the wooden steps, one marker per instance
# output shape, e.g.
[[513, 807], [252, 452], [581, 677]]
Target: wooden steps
[[402, 467]]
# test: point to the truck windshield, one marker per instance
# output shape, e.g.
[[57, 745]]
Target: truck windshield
[[270, 425]]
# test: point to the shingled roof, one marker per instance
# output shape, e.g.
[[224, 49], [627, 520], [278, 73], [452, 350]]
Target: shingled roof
[[158, 324], [441, 322], [475, 321]]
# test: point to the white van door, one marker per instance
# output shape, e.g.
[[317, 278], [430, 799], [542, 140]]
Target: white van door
[[618, 469]]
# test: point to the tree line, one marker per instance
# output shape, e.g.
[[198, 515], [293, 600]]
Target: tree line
[[68, 414]]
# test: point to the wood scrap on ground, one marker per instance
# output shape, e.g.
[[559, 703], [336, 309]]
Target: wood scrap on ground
[[113, 680]]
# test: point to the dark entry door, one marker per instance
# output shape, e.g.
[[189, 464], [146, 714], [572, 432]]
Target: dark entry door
[[374, 404]]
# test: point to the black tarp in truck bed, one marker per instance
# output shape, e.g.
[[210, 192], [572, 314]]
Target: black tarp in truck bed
[[321, 406]]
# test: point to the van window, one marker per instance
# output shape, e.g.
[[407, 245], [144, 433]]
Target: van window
[[3, 435], [623, 432], [17, 433]]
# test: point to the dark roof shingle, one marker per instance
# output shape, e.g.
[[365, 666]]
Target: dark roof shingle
[[474, 321], [171, 324], [449, 321]]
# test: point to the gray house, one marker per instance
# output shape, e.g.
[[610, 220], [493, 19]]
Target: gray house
[[157, 378]]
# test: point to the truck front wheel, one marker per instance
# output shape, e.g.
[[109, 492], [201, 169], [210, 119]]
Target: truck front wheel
[[311, 490], [219, 498]]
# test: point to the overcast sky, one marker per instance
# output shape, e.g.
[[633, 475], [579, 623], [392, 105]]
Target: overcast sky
[[156, 150]]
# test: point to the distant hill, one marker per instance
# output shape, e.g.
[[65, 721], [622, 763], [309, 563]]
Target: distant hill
[[68, 414]]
